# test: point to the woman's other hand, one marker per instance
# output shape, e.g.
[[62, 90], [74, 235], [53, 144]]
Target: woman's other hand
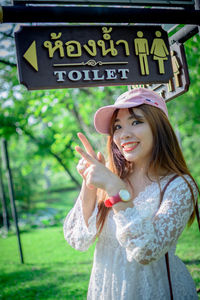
[[92, 168]]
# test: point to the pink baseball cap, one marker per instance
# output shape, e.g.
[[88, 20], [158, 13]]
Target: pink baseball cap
[[131, 98]]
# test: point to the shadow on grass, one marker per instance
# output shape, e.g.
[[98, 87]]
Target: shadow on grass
[[13, 278], [191, 262], [86, 262], [43, 283]]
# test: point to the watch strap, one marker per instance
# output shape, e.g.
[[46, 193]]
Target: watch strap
[[112, 200]]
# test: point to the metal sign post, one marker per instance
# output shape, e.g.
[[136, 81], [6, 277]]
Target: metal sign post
[[6, 223], [11, 193], [176, 3]]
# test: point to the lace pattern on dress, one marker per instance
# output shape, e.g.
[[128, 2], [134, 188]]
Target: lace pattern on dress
[[146, 234], [76, 232], [135, 236]]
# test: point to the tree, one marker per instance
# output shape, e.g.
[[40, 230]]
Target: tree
[[184, 111], [42, 125]]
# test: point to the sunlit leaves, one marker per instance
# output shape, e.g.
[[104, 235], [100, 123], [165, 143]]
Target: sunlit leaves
[[185, 110], [42, 126]]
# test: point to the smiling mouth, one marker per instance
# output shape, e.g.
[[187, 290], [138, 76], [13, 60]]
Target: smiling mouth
[[130, 146]]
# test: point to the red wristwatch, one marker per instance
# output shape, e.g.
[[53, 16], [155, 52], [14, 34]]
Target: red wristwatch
[[122, 196]]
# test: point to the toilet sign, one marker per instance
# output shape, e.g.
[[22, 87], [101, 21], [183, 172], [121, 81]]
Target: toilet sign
[[56, 57]]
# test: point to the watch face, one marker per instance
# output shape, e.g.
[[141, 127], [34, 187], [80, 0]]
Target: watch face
[[125, 195]]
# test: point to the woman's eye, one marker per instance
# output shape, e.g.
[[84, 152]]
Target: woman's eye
[[136, 122], [117, 127]]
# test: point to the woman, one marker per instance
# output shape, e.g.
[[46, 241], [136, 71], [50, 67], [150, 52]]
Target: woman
[[120, 203]]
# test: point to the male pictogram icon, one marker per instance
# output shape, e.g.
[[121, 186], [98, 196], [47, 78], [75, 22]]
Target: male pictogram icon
[[142, 50]]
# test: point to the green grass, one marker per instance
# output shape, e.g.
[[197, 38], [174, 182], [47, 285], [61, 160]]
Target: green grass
[[53, 270], [188, 249]]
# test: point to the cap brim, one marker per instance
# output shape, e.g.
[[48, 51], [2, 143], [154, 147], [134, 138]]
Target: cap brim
[[103, 116]]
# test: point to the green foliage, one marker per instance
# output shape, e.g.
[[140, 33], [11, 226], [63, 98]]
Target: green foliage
[[184, 111], [188, 249], [41, 126]]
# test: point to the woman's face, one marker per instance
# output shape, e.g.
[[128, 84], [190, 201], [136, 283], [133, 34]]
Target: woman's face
[[133, 136]]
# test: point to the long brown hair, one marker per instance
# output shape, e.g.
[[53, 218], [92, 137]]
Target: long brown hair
[[166, 155]]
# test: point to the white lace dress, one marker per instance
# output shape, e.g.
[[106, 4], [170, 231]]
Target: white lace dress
[[129, 259]]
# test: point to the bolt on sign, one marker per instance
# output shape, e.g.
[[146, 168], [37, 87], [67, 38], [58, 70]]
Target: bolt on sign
[[179, 83], [56, 57]]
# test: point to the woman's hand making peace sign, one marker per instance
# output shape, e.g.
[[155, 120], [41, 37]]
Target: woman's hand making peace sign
[[92, 168]]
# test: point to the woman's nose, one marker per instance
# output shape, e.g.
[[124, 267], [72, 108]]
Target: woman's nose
[[126, 132]]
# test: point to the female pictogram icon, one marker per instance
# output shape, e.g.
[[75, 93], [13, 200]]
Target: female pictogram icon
[[142, 50], [159, 51], [176, 67]]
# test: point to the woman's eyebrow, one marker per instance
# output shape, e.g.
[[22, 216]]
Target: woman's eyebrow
[[134, 116], [117, 120]]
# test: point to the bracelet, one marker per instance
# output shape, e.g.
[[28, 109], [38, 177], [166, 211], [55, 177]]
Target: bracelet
[[112, 200]]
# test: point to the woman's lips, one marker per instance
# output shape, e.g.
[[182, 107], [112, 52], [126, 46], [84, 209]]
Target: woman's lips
[[130, 146]]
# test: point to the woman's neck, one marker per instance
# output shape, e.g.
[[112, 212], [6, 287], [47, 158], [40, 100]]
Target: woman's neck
[[141, 173]]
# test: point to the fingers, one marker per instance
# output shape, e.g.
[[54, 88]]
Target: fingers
[[88, 161], [87, 176], [86, 145], [101, 158], [85, 155], [83, 170], [82, 165], [89, 149]]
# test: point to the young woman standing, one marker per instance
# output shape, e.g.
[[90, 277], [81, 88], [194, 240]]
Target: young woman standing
[[136, 204]]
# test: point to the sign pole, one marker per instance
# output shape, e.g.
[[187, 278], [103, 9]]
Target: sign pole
[[11, 193], [6, 223], [98, 14], [197, 7]]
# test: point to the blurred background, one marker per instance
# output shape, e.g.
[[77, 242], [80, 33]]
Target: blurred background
[[41, 128]]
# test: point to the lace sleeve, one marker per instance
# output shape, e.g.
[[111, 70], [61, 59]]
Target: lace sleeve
[[146, 235], [76, 233]]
